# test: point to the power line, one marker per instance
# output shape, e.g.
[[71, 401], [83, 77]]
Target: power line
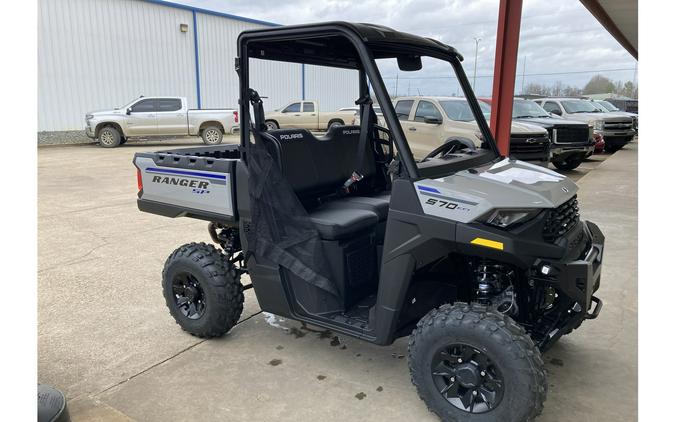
[[524, 74]]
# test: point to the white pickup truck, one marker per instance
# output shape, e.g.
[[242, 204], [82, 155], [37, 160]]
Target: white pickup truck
[[159, 116]]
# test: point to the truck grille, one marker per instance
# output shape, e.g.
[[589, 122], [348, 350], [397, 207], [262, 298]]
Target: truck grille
[[568, 135], [561, 220], [623, 125], [530, 145]]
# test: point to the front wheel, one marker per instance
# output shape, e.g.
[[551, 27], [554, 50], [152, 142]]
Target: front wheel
[[473, 364], [568, 163], [271, 125], [202, 290], [335, 123], [109, 137], [212, 135]]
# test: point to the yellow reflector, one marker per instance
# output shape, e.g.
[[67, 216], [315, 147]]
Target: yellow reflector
[[488, 243]]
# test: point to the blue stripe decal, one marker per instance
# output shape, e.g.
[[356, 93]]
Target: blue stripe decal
[[428, 189], [211, 12], [185, 173]]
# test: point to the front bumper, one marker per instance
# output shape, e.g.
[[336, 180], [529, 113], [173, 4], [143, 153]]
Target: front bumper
[[617, 134], [575, 281], [562, 152], [89, 132]]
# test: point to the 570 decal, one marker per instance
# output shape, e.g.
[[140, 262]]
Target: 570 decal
[[445, 204]]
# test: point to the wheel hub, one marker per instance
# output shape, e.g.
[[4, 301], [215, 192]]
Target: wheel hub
[[467, 378], [189, 296], [468, 375]]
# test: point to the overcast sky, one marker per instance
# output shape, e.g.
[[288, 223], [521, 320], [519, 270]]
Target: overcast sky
[[556, 36]]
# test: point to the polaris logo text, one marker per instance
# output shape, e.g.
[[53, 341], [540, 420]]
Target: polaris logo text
[[351, 132], [179, 181], [291, 136]]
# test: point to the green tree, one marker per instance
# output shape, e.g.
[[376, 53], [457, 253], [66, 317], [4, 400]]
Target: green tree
[[599, 85]]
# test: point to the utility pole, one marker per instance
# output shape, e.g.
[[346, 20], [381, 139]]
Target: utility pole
[[522, 88], [475, 62], [396, 89]]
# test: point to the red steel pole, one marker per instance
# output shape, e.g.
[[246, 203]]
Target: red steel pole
[[506, 59]]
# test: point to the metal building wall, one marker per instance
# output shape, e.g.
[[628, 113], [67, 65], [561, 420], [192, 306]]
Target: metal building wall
[[95, 54], [279, 82], [99, 54], [332, 88]]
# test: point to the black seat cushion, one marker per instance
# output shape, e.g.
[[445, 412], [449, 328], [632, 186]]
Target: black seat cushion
[[379, 204], [335, 221]]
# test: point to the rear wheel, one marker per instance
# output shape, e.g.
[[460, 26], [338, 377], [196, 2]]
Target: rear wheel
[[109, 137], [568, 163], [202, 290], [271, 125], [334, 123], [212, 135], [473, 364]]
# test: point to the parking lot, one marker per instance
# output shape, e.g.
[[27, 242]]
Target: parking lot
[[107, 340]]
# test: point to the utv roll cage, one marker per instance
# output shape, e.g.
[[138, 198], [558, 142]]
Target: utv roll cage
[[352, 46]]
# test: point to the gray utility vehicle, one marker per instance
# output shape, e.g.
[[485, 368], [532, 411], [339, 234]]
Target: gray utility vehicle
[[571, 141], [147, 117], [482, 260]]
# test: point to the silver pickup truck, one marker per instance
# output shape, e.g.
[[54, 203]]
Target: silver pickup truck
[[159, 116]]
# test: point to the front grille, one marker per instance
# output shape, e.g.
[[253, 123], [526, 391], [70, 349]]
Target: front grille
[[561, 220], [623, 125], [568, 135], [529, 144]]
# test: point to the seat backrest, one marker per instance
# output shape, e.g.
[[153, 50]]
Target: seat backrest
[[317, 166]]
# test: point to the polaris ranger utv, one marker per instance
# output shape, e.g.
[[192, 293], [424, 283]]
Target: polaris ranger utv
[[481, 260]]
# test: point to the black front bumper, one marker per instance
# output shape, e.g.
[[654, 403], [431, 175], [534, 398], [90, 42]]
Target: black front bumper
[[575, 281]]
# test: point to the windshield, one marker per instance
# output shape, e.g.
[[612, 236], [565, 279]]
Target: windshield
[[579, 106], [525, 108], [609, 106], [432, 109], [459, 111]]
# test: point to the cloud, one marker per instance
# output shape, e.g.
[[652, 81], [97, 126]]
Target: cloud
[[556, 37]]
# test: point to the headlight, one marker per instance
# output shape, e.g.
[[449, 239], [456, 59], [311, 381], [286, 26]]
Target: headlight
[[506, 218], [599, 124]]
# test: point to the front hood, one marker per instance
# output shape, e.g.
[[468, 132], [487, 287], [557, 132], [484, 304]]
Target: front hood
[[520, 127], [550, 122], [505, 184]]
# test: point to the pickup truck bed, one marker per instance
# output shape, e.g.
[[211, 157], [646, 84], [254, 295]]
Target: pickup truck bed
[[190, 182]]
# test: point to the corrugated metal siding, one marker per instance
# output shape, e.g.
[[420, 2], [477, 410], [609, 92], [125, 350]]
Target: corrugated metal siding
[[332, 88], [95, 54], [280, 82], [99, 54]]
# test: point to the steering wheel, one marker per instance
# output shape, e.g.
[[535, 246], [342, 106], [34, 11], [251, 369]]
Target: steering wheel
[[450, 146]]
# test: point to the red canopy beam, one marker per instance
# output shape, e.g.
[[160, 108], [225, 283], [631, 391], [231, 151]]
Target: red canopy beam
[[506, 59]]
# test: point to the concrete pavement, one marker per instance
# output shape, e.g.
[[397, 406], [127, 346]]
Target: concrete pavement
[[107, 340]]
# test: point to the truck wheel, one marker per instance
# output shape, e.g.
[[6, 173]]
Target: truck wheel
[[335, 123], [568, 164], [202, 290], [212, 135], [109, 137], [272, 125], [473, 364]]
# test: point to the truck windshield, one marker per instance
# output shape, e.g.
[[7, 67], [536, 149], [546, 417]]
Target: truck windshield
[[525, 108], [579, 106], [459, 110], [609, 106]]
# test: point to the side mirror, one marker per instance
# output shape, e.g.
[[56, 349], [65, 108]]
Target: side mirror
[[432, 120], [129, 111]]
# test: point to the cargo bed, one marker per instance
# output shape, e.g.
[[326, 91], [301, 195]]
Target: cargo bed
[[189, 182]]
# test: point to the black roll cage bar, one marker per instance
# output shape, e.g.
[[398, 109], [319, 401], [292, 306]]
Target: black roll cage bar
[[367, 70]]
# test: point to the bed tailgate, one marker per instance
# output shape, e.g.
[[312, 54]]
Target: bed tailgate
[[176, 185]]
